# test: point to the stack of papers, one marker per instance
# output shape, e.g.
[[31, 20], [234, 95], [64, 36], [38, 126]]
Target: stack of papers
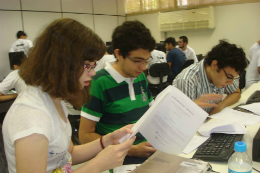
[[254, 107], [220, 126], [125, 168], [234, 116]]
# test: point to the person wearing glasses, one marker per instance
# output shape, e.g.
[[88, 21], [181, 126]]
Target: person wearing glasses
[[120, 92], [218, 73], [36, 130]]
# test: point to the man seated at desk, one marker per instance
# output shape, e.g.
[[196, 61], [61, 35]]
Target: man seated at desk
[[215, 74], [12, 80], [120, 93]]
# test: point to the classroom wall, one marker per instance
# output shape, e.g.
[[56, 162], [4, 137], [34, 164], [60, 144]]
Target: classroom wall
[[238, 23], [32, 16]]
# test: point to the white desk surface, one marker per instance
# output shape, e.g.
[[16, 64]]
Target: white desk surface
[[248, 138]]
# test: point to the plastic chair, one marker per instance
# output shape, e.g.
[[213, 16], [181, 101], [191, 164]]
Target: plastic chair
[[158, 70], [186, 64]]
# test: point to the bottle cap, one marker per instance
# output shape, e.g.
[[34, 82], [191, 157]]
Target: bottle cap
[[240, 146]]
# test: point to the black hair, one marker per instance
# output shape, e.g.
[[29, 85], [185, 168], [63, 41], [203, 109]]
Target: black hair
[[20, 33], [227, 55], [132, 35], [170, 40], [184, 38]]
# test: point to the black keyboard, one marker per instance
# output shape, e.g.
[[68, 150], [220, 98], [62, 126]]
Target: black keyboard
[[219, 147], [254, 98]]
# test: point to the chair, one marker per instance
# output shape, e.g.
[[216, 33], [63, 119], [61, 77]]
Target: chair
[[3, 161], [199, 57], [186, 64], [158, 70], [74, 122], [242, 81], [12, 55]]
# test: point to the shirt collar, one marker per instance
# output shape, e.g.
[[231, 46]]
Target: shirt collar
[[115, 74], [204, 74]]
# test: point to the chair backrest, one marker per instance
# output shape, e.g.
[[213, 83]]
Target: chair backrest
[[199, 57], [12, 55], [186, 64], [159, 70], [242, 80]]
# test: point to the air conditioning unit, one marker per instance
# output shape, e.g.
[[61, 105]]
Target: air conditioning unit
[[187, 19]]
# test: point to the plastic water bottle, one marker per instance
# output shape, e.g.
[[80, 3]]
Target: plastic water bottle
[[240, 162]]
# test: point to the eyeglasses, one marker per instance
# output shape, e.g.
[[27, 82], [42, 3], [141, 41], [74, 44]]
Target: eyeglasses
[[90, 67], [230, 77], [140, 63]]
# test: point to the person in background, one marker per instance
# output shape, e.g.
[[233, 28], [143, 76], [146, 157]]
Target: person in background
[[21, 44], [175, 58], [253, 49], [36, 131], [217, 73], [12, 80], [253, 70], [157, 57], [189, 52], [102, 62], [120, 92]]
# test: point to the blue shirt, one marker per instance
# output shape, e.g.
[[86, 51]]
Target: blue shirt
[[177, 58], [193, 82]]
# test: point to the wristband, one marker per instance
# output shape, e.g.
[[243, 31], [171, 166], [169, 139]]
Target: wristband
[[101, 143]]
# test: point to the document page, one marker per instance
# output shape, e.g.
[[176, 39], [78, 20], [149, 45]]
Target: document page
[[231, 115], [173, 122], [254, 107]]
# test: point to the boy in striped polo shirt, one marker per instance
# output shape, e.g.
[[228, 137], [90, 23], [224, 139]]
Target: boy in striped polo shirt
[[217, 73], [120, 93]]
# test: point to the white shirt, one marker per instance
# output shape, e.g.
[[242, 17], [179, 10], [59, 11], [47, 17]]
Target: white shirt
[[252, 75], [102, 62], [157, 57], [21, 45], [12, 80], [190, 54], [34, 112], [254, 48]]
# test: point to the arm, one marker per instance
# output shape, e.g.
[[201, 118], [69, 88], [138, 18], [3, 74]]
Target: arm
[[112, 156], [87, 130], [258, 70], [7, 97], [229, 100], [31, 153], [170, 64], [203, 100], [144, 149]]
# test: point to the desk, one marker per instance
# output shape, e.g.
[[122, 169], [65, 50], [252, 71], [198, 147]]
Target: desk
[[222, 167]]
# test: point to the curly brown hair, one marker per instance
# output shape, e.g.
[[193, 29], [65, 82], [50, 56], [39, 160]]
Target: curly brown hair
[[56, 61]]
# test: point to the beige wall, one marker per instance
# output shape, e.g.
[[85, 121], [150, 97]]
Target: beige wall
[[237, 23], [102, 16]]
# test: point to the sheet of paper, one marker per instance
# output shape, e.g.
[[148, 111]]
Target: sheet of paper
[[254, 107], [239, 117], [138, 124], [220, 126], [126, 168], [195, 142], [173, 122]]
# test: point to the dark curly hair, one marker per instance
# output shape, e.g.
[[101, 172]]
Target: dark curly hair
[[227, 55], [132, 35]]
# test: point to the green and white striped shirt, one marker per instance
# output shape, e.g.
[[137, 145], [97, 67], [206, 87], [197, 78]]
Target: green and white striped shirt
[[117, 101]]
